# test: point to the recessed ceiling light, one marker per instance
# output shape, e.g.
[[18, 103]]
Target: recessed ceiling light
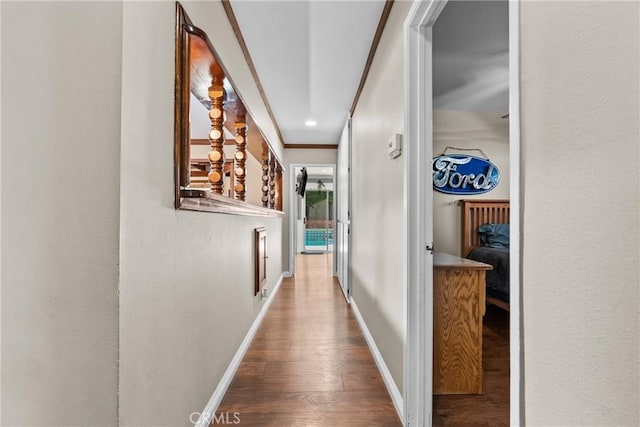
[[310, 123]]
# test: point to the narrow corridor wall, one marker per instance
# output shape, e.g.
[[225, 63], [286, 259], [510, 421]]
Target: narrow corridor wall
[[186, 282], [61, 71], [378, 255], [580, 133]]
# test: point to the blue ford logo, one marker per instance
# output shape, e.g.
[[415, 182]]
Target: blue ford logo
[[462, 174]]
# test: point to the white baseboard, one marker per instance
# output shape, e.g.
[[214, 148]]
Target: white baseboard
[[344, 292], [394, 392], [287, 274], [209, 411]]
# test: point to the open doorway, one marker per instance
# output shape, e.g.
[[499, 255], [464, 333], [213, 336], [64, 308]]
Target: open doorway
[[428, 133], [312, 220], [471, 214], [315, 191]]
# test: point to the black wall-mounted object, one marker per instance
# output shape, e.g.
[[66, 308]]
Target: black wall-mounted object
[[301, 182]]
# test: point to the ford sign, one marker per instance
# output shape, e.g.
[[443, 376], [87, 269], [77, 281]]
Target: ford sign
[[462, 174]]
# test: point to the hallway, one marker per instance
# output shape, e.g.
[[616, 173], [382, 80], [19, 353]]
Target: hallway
[[309, 363]]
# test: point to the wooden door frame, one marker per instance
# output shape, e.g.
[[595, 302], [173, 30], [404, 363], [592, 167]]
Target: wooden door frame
[[418, 354]]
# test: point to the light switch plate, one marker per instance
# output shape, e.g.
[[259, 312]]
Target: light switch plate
[[395, 146]]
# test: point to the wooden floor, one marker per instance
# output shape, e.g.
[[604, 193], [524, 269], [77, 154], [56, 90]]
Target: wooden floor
[[309, 364], [492, 407]]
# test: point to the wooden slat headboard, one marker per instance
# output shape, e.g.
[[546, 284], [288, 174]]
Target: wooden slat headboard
[[478, 212]]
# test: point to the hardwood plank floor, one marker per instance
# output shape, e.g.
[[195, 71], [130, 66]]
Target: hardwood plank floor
[[490, 409], [309, 364]]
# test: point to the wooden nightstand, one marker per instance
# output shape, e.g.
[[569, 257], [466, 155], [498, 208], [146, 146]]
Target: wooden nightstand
[[458, 307]]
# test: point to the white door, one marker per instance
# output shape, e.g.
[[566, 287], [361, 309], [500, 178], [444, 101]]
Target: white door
[[343, 211]]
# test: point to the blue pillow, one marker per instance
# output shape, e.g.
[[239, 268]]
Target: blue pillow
[[494, 235]]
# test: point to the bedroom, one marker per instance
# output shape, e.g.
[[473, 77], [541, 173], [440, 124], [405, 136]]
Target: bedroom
[[471, 99]]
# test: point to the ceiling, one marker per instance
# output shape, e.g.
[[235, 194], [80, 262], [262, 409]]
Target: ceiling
[[309, 57], [471, 57]]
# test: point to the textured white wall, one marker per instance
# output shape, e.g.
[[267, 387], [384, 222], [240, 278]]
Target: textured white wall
[[186, 279], [378, 218], [580, 71], [60, 212], [467, 129]]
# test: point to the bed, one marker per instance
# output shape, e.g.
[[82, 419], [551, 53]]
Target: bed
[[484, 237]]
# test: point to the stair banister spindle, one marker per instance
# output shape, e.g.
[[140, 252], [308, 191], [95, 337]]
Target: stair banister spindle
[[241, 154], [216, 135], [265, 175], [272, 181]]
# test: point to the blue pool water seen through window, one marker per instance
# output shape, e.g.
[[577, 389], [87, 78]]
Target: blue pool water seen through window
[[318, 237]]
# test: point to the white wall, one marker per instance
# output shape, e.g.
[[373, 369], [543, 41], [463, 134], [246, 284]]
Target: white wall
[[310, 156], [186, 279], [60, 212], [467, 129], [378, 219], [580, 71]]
